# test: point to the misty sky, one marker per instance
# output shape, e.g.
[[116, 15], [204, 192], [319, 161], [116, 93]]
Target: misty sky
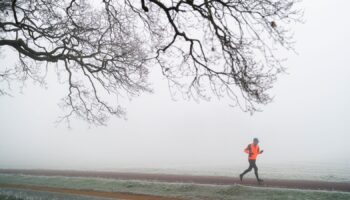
[[309, 119]]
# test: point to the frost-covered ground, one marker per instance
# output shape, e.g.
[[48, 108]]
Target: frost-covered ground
[[186, 191], [298, 171], [20, 194]]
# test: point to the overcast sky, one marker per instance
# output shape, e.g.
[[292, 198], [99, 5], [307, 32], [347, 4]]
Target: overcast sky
[[309, 119]]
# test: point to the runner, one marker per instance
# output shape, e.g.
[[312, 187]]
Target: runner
[[253, 150]]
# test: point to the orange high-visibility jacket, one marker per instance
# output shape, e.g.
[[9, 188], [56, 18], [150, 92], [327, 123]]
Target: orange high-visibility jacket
[[253, 151]]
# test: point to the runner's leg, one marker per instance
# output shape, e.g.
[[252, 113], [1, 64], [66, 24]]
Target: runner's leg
[[256, 172], [247, 170]]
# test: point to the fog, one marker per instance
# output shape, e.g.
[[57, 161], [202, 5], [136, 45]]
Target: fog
[[308, 121]]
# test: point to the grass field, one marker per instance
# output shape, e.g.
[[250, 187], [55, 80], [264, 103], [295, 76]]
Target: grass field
[[178, 190]]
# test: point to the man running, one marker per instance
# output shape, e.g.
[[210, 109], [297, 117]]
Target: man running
[[253, 151]]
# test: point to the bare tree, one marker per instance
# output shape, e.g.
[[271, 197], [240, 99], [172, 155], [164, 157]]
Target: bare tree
[[205, 48]]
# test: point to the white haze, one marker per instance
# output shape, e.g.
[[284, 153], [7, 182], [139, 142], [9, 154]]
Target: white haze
[[309, 120]]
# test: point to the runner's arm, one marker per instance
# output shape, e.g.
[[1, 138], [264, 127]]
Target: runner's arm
[[247, 150]]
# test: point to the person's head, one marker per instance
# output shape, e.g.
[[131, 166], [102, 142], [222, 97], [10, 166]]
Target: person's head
[[255, 141]]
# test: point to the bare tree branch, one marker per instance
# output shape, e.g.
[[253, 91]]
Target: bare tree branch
[[205, 48]]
